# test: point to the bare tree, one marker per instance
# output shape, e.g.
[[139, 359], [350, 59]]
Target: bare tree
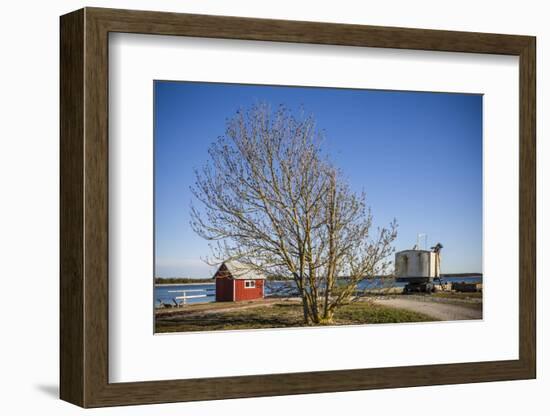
[[269, 198]]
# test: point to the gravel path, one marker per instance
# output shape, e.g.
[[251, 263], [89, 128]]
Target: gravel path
[[439, 310]]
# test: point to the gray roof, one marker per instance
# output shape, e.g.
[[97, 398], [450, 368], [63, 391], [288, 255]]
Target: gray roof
[[241, 271]]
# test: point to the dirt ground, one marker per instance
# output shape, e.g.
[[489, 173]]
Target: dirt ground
[[437, 308], [274, 313], [287, 312]]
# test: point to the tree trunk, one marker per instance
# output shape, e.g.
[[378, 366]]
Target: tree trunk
[[305, 307], [315, 312], [327, 317]]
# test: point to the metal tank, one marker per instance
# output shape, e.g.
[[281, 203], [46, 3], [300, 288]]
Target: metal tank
[[418, 268]]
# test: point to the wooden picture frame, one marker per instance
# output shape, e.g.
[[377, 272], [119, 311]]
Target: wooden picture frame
[[84, 207]]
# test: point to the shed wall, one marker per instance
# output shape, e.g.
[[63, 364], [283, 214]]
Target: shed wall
[[247, 293]]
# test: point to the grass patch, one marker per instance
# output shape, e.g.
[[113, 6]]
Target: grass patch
[[471, 300], [458, 295], [281, 315], [369, 313]]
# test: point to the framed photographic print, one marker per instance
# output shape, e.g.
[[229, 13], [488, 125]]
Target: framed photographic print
[[255, 207]]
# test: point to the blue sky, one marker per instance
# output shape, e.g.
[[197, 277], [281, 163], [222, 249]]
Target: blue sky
[[417, 155]]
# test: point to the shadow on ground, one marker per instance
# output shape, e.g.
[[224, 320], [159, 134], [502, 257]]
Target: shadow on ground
[[51, 390]]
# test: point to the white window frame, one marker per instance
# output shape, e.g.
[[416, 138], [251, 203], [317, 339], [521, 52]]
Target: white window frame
[[249, 284]]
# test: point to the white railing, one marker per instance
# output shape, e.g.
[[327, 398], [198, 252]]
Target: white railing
[[184, 297]]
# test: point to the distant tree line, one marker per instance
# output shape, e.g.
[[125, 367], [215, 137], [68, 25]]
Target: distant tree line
[[461, 274], [182, 280]]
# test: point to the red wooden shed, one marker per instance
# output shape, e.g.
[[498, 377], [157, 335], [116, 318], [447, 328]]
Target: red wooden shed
[[235, 282]]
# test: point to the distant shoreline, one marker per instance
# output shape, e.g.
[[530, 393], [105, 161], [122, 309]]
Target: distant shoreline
[[202, 281], [181, 280], [187, 284], [461, 274]]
